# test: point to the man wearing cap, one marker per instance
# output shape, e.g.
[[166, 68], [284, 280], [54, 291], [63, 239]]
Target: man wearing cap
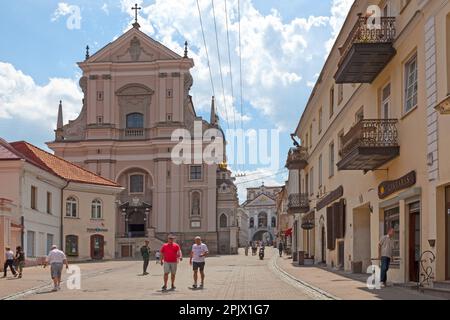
[[198, 253], [170, 256], [57, 259]]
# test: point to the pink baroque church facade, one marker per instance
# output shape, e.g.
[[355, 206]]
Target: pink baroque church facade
[[136, 93]]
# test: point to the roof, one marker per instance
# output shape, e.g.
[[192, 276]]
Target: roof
[[58, 166], [7, 152]]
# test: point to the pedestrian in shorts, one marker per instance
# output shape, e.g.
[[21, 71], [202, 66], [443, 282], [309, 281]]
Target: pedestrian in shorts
[[198, 253], [56, 259]]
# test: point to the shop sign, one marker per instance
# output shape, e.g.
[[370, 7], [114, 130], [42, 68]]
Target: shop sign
[[387, 188], [331, 197], [96, 230]]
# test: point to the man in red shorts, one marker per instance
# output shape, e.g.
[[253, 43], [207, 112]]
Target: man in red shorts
[[170, 256]]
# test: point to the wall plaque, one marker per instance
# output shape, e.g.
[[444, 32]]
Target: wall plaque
[[331, 197], [387, 188]]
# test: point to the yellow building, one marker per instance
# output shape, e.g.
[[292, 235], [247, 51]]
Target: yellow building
[[374, 143]]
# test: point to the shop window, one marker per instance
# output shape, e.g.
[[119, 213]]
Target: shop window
[[72, 245], [392, 220]]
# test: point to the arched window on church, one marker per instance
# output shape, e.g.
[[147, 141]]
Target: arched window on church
[[195, 203], [252, 222], [262, 220], [135, 121], [223, 221], [274, 222]]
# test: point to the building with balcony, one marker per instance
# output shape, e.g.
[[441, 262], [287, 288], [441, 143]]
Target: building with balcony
[[375, 131], [262, 212]]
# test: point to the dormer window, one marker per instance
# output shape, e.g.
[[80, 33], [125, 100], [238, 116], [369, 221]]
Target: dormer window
[[135, 121]]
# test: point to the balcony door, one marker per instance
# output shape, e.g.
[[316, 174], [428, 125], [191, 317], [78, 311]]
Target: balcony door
[[386, 102]]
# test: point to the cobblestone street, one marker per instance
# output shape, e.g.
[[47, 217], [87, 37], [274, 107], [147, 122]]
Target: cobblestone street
[[227, 278]]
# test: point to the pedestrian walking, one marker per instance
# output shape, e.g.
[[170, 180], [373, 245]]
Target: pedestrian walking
[[145, 252], [20, 260], [246, 249], [254, 248], [198, 253], [170, 257], [385, 249], [56, 259], [9, 262], [158, 256], [280, 248]]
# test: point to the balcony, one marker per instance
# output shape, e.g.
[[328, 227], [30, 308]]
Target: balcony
[[369, 145], [297, 159], [298, 203], [134, 134], [367, 51]]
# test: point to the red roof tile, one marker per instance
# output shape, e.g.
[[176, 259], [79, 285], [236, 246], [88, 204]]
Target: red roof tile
[[7, 152], [58, 166]]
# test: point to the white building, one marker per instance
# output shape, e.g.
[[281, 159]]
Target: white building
[[262, 212]]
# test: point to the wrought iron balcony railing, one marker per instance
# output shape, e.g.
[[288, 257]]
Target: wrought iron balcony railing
[[298, 203], [366, 31], [371, 133]]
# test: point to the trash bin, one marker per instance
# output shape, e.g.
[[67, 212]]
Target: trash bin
[[301, 258]]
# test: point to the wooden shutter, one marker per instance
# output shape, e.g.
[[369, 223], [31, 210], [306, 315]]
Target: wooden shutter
[[339, 212], [330, 231]]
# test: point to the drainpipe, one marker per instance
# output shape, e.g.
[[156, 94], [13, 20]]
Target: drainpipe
[[61, 235]]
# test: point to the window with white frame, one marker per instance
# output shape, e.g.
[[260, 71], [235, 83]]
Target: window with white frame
[[71, 207], [96, 209], [411, 84], [195, 173], [137, 183]]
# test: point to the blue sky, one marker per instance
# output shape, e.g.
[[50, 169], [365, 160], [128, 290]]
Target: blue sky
[[285, 43]]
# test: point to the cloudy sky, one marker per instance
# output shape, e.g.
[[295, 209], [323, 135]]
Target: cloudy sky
[[284, 44]]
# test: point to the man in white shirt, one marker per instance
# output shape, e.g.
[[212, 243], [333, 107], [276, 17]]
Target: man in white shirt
[[9, 262], [56, 258], [198, 253]]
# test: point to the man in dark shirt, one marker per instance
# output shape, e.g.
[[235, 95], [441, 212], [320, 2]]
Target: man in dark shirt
[[145, 252], [20, 260]]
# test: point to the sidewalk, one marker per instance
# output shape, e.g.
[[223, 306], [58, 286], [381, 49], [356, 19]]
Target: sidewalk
[[38, 277], [346, 286]]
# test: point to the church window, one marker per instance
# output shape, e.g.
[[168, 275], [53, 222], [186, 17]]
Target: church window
[[137, 183], [274, 222], [223, 221], [99, 95], [262, 220], [252, 222], [99, 120], [135, 121], [169, 93], [169, 117], [195, 173]]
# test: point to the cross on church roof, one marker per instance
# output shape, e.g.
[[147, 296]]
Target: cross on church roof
[[136, 9]]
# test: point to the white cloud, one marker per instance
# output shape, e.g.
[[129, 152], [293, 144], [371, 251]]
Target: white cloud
[[339, 12], [22, 98], [105, 8], [62, 10], [274, 53]]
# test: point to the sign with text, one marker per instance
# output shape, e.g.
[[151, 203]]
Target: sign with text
[[387, 188]]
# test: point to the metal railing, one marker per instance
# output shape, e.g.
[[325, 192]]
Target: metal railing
[[370, 133], [366, 30], [298, 200]]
